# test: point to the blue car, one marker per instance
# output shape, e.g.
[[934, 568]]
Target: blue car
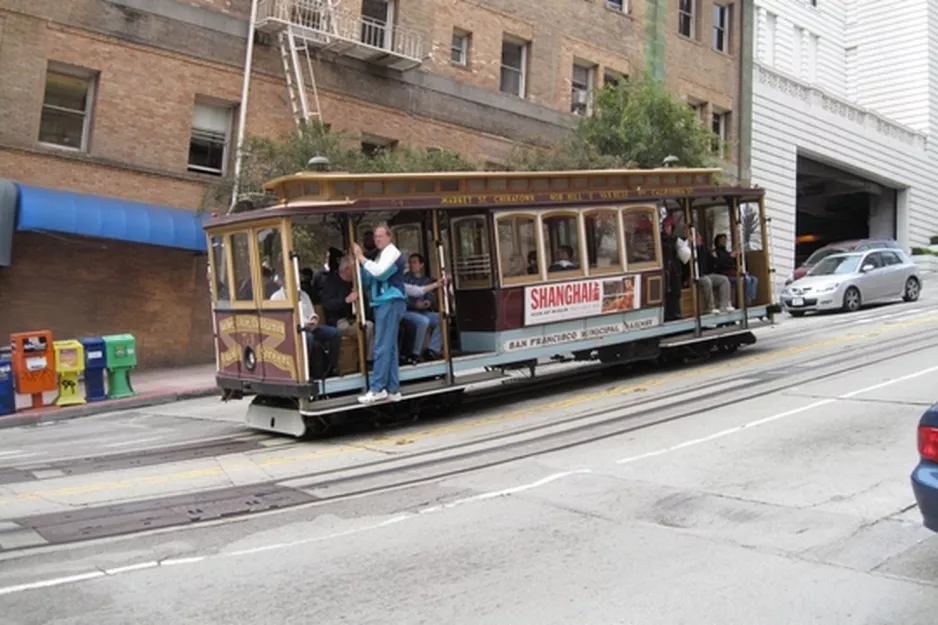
[[925, 475]]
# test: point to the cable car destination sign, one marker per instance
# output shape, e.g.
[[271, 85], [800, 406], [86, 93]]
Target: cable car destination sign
[[566, 196]]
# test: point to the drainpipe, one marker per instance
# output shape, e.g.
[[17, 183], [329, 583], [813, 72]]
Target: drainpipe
[[243, 112], [744, 94]]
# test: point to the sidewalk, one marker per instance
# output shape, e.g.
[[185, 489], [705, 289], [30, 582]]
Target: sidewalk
[[154, 387]]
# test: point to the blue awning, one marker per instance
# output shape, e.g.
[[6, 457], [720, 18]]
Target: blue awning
[[50, 210]]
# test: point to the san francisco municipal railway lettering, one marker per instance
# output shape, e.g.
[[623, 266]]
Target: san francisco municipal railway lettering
[[564, 295], [572, 196], [570, 336]]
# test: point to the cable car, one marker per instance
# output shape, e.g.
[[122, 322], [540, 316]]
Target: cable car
[[539, 267]]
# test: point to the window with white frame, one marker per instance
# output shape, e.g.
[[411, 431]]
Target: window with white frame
[[618, 5], [796, 51], [208, 143], [812, 42], [766, 37], [459, 53], [720, 126], [514, 66], [582, 85], [721, 27], [66, 107], [686, 18]]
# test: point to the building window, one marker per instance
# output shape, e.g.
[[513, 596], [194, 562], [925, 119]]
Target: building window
[[686, 18], [514, 67], [721, 28], [582, 84], [812, 43], [698, 109], [460, 48], [766, 36], [66, 108], [377, 23], [612, 77], [373, 145], [618, 5], [720, 125], [208, 143]]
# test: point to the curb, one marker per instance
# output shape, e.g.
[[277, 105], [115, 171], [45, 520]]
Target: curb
[[52, 414]]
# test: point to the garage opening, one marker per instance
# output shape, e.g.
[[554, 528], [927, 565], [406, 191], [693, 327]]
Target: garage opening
[[834, 205]]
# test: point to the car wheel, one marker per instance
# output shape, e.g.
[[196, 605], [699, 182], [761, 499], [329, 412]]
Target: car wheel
[[912, 290], [852, 299], [796, 313]]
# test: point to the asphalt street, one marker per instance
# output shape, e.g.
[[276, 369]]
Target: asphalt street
[[768, 487]]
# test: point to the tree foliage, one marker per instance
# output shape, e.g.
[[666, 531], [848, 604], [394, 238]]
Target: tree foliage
[[264, 159], [634, 124]]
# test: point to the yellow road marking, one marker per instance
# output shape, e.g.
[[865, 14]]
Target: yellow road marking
[[697, 371]]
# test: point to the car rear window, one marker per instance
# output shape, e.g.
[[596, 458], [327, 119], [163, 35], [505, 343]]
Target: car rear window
[[821, 254]]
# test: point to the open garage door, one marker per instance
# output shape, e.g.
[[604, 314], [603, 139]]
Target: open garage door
[[834, 205]]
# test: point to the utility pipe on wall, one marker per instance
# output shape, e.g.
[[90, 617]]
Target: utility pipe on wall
[[243, 112]]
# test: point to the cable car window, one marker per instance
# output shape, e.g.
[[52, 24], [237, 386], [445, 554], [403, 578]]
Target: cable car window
[[408, 239], [270, 250], [517, 248], [220, 269], [562, 245], [473, 268], [751, 225], [602, 241], [641, 240], [241, 264]]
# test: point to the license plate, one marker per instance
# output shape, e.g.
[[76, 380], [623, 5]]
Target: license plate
[[797, 301]]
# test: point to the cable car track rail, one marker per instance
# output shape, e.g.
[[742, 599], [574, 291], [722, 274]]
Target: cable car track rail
[[323, 487]]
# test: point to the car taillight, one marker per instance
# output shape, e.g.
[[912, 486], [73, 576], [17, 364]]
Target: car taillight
[[928, 443]]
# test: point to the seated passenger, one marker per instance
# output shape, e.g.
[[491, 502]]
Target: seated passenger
[[533, 269], [724, 262], [563, 260], [321, 336], [337, 299], [711, 283], [420, 310]]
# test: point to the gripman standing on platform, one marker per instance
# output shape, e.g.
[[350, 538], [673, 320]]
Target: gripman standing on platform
[[384, 278]]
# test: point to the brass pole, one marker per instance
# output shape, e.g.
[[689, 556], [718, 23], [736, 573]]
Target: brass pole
[[359, 305], [737, 245], [443, 297], [691, 231]]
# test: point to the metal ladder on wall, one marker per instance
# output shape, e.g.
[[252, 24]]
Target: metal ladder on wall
[[319, 17], [290, 51]]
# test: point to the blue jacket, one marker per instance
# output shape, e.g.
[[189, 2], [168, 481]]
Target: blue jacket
[[385, 276]]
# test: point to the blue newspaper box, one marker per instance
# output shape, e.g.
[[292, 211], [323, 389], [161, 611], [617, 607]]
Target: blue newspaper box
[[95, 364], [7, 388]]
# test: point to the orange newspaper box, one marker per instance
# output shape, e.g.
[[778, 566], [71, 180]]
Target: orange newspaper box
[[34, 364]]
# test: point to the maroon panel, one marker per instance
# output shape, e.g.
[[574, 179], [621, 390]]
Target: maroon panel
[[476, 311], [511, 309], [270, 334]]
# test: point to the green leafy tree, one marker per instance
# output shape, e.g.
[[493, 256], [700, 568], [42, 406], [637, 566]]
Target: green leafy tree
[[635, 124], [264, 159]]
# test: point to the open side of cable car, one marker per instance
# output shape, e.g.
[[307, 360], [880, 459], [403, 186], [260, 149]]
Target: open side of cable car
[[543, 268]]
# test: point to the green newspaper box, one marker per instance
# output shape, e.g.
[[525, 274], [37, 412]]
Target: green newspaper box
[[121, 352]]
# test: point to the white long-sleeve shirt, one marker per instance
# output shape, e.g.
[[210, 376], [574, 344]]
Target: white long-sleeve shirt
[[307, 310]]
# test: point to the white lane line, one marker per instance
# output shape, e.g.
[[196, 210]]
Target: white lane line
[[132, 567], [507, 491], [776, 417], [52, 582], [19, 453]]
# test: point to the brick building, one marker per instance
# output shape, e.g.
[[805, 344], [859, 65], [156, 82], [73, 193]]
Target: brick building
[[117, 113]]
